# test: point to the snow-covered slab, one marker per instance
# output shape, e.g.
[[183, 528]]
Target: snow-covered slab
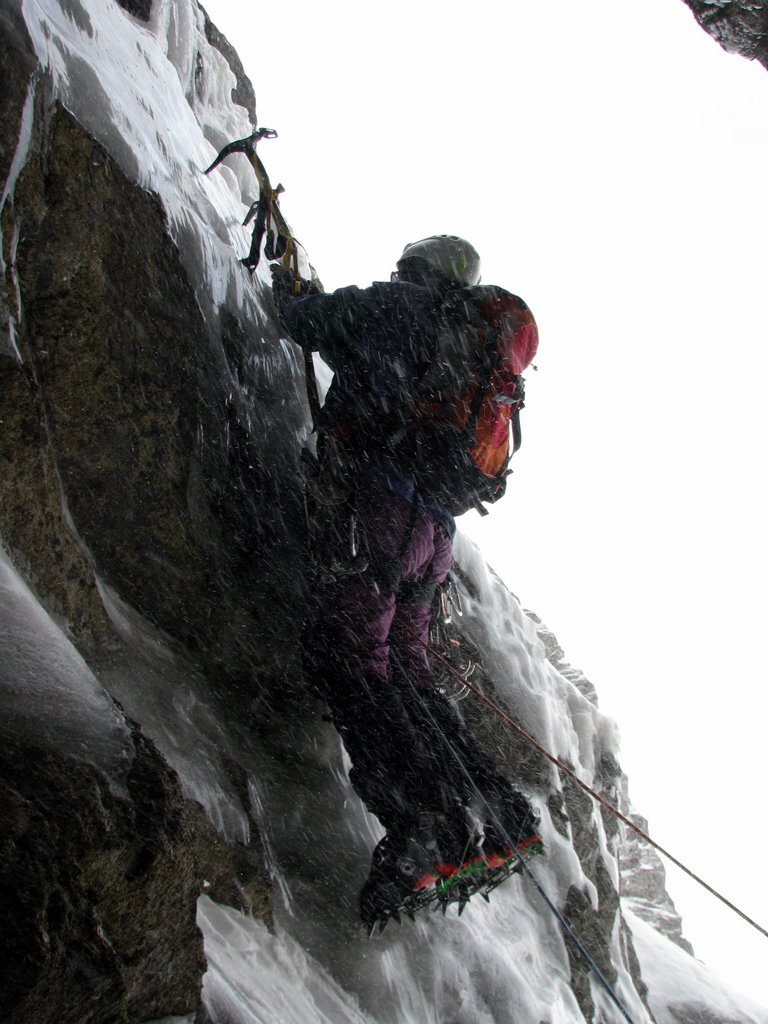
[[683, 989], [255, 977], [167, 694], [48, 694]]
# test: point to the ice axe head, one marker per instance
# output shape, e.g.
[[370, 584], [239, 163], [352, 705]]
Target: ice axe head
[[247, 146]]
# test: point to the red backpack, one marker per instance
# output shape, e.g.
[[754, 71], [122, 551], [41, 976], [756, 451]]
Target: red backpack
[[471, 396]]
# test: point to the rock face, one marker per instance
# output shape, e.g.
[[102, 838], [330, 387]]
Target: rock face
[[98, 890], [114, 346], [556, 656], [643, 882], [738, 25], [121, 457]]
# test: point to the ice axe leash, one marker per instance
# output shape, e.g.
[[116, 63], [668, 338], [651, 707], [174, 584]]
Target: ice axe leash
[[271, 230], [514, 727]]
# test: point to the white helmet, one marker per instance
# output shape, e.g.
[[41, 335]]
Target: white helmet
[[449, 255]]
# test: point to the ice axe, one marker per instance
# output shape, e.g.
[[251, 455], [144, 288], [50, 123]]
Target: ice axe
[[269, 221], [280, 243]]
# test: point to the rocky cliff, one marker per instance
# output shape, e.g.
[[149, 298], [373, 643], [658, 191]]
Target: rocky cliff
[[738, 25], [178, 835]]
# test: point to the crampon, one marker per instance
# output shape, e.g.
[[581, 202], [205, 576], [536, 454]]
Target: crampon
[[449, 884]]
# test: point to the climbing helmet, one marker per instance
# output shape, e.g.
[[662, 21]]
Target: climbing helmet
[[449, 255]]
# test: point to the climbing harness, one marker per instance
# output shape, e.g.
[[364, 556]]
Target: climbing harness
[[500, 713], [271, 229]]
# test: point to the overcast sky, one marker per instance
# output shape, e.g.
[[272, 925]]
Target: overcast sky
[[611, 171]]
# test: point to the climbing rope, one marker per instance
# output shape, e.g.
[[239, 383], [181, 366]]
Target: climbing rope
[[500, 713], [560, 916]]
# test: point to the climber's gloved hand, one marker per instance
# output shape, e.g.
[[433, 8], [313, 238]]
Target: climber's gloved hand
[[285, 286], [282, 285]]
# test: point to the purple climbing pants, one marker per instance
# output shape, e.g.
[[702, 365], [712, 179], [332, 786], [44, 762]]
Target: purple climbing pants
[[367, 620]]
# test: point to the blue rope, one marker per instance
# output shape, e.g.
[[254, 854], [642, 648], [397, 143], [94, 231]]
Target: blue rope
[[565, 923], [571, 933]]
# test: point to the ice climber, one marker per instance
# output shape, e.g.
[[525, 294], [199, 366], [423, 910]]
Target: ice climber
[[414, 430]]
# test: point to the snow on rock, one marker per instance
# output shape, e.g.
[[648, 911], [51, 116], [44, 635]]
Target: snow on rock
[[643, 886], [99, 849], [8, 341], [47, 691], [167, 693], [682, 989], [254, 977], [556, 655], [163, 126]]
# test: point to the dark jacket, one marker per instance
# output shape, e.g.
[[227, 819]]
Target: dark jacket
[[379, 341]]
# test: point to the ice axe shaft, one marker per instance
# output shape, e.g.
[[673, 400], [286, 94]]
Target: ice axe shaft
[[313, 394]]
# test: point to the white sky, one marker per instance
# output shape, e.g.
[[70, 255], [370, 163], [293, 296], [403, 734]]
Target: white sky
[[610, 170]]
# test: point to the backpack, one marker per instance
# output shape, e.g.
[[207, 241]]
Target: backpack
[[449, 424], [470, 397]]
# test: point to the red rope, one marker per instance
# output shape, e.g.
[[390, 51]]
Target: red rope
[[572, 775]]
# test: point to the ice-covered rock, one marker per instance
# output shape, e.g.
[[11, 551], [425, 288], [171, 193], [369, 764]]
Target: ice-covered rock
[[161, 742]]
